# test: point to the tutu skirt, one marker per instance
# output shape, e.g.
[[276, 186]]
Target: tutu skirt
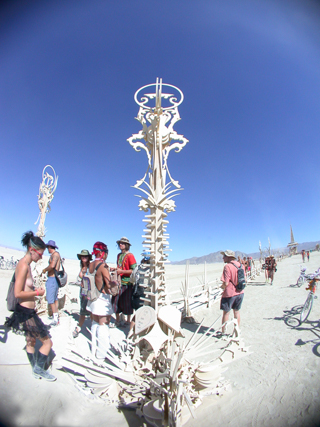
[[25, 321], [102, 306]]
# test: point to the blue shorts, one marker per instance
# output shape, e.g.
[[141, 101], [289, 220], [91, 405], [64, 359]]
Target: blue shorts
[[52, 290], [226, 304]]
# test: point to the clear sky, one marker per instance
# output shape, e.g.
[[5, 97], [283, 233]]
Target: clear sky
[[250, 74]]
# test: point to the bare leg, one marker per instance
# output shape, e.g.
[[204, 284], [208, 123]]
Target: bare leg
[[54, 307], [82, 318], [271, 276], [225, 318], [46, 345], [30, 344], [236, 314], [101, 320]]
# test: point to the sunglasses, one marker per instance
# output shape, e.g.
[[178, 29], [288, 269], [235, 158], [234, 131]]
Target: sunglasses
[[39, 253]]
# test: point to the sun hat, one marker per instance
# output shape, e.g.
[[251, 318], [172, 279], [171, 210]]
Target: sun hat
[[228, 253], [52, 243], [124, 240], [84, 252]]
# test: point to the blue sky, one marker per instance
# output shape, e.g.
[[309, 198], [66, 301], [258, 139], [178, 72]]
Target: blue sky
[[250, 76]]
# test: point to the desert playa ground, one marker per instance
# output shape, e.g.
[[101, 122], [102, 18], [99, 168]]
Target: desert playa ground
[[276, 385]]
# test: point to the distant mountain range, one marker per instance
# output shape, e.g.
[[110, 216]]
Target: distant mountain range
[[217, 257]]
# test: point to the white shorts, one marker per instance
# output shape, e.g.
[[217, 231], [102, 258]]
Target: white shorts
[[102, 306]]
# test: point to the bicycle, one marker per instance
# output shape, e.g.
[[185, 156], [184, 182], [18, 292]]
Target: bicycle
[[306, 309], [303, 276]]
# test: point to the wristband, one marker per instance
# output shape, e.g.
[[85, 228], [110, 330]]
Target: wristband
[[37, 292]]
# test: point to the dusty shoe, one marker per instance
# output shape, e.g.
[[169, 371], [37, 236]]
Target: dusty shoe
[[54, 323], [41, 373], [75, 333]]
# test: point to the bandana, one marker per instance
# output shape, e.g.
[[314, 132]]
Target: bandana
[[99, 247]]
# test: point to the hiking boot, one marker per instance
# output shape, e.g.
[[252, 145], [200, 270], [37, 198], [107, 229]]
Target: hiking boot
[[39, 371]]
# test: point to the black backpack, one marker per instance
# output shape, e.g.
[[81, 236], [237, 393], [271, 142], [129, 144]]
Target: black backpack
[[241, 278]]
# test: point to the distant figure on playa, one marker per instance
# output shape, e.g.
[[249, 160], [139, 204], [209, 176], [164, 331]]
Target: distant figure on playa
[[245, 263], [270, 268], [85, 257], [52, 287], [303, 253], [308, 255], [231, 298], [25, 320], [126, 262], [248, 269], [241, 261], [101, 308]]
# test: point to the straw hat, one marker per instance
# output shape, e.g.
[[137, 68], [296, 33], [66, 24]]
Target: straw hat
[[228, 253], [84, 252]]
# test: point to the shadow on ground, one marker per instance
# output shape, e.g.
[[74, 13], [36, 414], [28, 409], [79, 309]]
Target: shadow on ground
[[292, 319]]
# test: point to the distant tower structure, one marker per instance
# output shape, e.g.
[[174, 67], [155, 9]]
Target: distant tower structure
[[292, 245]]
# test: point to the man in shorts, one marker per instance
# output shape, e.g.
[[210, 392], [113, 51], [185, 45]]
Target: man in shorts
[[231, 298], [52, 284]]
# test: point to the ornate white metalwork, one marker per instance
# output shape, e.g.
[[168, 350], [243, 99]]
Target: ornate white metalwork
[[46, 190], [158, 113]]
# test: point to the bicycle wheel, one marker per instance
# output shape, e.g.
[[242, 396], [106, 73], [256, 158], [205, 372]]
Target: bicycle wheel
[[300, 281], [306, 308]]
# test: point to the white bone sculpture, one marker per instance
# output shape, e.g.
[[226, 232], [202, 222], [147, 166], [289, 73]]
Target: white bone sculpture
[[46, 191], [157, 139], [158, 375]]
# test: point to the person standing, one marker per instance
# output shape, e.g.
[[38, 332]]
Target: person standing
[[126, 263], [308, 255], [271, 268], [101, 308], [85, 257], [25, 320], [52, 286], [266, 268], [231, 298], [303, 253]]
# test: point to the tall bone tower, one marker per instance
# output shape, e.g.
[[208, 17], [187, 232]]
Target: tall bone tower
[[157, 114]]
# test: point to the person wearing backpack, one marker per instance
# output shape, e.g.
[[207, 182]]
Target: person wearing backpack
[[100, 308], [233, 283], [85, 257]]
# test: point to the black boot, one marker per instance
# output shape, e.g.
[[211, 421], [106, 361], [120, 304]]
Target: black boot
[[32, 359], [39, 371]]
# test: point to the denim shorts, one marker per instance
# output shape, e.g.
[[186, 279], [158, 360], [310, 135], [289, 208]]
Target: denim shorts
[[52, 290], [226, 304]]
